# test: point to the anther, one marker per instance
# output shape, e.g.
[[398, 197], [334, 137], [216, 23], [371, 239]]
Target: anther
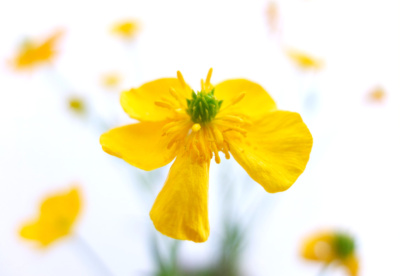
[[237, 129], [231, 118], [238, 98], [163, 104], [175, 95], [196, 127], [207, 84], [181, 79]]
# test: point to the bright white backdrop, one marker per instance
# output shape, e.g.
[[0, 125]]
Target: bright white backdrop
[[351, 181]]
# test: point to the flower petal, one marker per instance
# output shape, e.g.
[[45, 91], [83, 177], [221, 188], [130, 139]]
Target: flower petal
[[351, 263], [141, 145], [65, 206], [140, 103], [181, 208], [255, 103], [319, 247], [30, 231], [275, 151]]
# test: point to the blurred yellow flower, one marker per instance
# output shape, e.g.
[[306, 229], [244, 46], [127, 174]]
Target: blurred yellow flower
[[304, 60], [272, 16], [111, 80], [377, 95], [57, 216], [235, 117], [126, 29], [34, 53], [331, 247], [77, 105]]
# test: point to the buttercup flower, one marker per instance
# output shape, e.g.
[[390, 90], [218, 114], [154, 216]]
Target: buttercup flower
[[304, 60], [111, 80], [33, 53], [331, 247], [272, 16], [126, 29], [77, 105], [377, 95], [57, 216], [236, 117]]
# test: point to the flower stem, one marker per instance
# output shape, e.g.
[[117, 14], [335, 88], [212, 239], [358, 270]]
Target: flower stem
[[91, 253]]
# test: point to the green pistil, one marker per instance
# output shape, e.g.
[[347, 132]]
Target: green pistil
[[203, 107], [344, 245]]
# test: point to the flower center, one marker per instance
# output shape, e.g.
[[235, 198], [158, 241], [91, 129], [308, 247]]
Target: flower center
[[203, 107], [344, 245]]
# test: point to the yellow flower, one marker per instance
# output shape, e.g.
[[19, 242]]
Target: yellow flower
[[111, 80], [77, 105], [34, 53], [377, 95], [235, 117], [304, 60], [272, 14], [126, 29], [57, 216], [331, 247]]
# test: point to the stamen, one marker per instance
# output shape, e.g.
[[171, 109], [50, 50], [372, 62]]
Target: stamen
[[207, 84], [219, 138], [163, 104], [181, 79], [168, 101], [238, 98], [168, 126], [237, 129], [226, 151], [215, 150], [231, 118], [196, 127], [174, 94], [174, 140]]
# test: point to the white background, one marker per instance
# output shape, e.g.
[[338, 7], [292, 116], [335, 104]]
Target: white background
[[350, 183]]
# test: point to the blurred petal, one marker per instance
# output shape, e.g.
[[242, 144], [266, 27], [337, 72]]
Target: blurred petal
[[181, 208], [275, 151], [304, 60], [65, 205], [351, 263], [255, 103], [33, 53], [57, 216], [141, 145], [29, 231], [319, 247], [126, 29], [140, 103], [377, 95]]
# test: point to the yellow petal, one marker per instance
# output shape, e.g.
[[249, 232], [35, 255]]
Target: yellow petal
[[57, 216], [181, 208], [319, 247], [140, 103], [126, 29], [256, 100], [33, 53], [29, 231], [304, 60], [275, 151], [141, 145], [66, 205], [351, 263]]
